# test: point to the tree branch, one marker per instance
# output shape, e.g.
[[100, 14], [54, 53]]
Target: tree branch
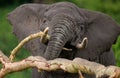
[[27, 39], [44, 36], [71, 66]]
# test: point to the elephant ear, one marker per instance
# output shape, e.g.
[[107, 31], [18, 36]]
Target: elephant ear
[[26, 20], [102, 31]]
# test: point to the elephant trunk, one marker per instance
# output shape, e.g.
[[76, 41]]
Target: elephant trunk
[[60, 34]]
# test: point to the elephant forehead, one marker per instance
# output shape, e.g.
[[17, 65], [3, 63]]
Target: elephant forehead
[[56, 9]]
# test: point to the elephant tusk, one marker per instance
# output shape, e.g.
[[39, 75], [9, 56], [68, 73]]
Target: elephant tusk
[[67, 49], [83, 44], [45, 38]]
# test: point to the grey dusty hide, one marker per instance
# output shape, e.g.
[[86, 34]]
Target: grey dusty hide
[[68, 26]]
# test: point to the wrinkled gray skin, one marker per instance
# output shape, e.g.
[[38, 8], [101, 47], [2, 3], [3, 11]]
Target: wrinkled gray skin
[[68, 26]]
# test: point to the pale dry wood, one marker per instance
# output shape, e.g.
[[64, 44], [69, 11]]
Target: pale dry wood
[[44, 37], [27, 39], [71, 66], [81, 76], [4, 57]]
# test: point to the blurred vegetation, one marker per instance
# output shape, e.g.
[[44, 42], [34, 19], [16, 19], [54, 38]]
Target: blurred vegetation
[[8, 41]]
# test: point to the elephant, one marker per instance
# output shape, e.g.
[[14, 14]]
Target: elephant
[[68, 26]]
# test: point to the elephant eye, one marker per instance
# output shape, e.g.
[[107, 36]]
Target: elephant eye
[[82, 28], [44, 20]]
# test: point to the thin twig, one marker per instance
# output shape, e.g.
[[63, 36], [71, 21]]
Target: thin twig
[[81, 76], [3, 57], [30, 37], [27, 39]]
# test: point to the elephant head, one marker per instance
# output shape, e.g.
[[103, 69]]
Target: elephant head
[[63, 31], [67, 26]]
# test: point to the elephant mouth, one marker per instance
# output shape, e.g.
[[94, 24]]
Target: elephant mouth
[[45, 39]]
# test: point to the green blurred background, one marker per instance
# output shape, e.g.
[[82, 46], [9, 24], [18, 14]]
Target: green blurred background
[[8, 41]]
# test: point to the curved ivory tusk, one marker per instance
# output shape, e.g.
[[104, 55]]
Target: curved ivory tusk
[[83, 44], [67, 49], [44, 37]]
